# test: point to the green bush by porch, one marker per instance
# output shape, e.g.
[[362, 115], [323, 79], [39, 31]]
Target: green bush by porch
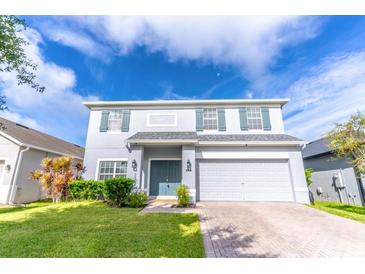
[[92, 229]]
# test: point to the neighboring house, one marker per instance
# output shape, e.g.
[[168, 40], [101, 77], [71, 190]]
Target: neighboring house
[[21, 152], [224, 150], [334, 179]]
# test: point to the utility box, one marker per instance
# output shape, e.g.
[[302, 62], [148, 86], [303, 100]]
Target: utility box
[[339, 183]]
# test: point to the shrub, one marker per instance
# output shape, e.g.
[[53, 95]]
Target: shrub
[[56, 174], [117, 190], [183, 197], [137, 199], [87, 190], [308, 175]]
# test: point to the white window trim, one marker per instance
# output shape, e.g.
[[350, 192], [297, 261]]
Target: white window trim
[[162, 114], [262, 122], [149, 173], [107, 159], [216, 111], [121, 122]]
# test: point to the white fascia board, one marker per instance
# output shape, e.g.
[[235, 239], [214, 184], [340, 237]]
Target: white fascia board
[[252, 143], [7, 136], [159, 103], [241, 155]]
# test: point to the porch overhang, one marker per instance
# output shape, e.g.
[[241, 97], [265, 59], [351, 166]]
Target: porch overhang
[[192, 138]]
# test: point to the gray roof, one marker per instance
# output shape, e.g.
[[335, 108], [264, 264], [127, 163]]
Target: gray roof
[[316, 148], [140, 136], [182, 135], [248, 137], [35, 138]]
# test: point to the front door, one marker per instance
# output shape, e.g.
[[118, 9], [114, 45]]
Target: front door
[[165, 177]]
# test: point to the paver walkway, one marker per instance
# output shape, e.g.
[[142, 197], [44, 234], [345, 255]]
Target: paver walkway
[[277, 230]]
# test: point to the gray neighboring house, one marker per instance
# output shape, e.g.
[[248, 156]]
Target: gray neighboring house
[[334, 179], [224, 150], [21, 151]]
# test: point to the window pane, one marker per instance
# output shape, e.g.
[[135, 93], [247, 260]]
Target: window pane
[[210, 118], [111, 169], [254, 118], [115, 120]]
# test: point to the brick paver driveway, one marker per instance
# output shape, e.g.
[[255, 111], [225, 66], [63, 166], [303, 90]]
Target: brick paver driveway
[[277, 230]]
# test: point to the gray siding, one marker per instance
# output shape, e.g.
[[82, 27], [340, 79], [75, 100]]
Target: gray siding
[[324, 168]]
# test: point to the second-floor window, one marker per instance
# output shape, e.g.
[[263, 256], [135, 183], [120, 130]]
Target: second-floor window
[[254, 118], [210, 119], [115, 120]]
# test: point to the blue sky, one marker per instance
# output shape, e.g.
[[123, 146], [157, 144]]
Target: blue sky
[[317, 62]]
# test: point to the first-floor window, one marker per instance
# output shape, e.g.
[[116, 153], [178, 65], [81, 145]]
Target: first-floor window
[[112, 169]]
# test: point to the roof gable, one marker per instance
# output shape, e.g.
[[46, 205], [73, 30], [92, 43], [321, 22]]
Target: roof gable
[[24, 135]]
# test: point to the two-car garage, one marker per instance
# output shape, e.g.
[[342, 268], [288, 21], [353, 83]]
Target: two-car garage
[[244, 180]]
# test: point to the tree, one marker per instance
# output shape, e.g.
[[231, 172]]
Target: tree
[[12, 54], [56, 174], [348, 139]]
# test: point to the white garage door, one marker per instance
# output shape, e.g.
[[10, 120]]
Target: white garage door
[[244, 180]]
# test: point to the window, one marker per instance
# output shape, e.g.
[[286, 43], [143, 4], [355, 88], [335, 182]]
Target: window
[[210, 120], [115, 120], [254, 118], [112, 169]]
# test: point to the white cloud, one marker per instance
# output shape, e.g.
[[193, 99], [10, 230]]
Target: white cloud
[[169, 94], [331, 92], [249, 43], [23, 120], [58, 111]]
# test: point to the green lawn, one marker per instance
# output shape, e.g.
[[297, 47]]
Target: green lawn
[[92, 229], [356, 213]]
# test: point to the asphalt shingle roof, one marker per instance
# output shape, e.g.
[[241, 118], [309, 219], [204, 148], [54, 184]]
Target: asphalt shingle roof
[[140, 136], [39, 139], [317, 147]]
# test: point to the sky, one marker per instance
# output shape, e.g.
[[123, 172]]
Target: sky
[[316, 62]]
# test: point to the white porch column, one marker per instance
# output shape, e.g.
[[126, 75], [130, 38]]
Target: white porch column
[[136, 154], [188, 176]]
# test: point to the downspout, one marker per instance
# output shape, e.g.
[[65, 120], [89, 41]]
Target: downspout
[[14, 186]]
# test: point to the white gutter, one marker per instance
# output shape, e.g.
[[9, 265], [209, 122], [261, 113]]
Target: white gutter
[[91, 104], [13, 184]]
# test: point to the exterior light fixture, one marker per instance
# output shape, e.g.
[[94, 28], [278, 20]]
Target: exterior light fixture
[[188, 165], [134, 165], [8, 167]]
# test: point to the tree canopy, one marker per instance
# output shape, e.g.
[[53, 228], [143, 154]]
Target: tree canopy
[[348, 139], [13, 56]]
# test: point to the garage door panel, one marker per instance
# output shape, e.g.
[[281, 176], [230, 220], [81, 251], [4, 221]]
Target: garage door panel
[[237, 180]]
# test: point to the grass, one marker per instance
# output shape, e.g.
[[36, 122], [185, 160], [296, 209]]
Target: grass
[[92, 229], [356, 213]]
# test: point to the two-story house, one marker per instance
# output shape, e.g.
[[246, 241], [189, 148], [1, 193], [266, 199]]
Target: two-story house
[[224, 150]]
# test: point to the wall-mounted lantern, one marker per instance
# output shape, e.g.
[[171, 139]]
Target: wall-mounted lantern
[[8, 167], [188, 165], [134, 165]]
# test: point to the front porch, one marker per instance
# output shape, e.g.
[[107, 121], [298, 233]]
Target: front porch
[[159, 169]]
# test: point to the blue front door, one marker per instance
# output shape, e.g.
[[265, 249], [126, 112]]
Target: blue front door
[[165, 177]]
